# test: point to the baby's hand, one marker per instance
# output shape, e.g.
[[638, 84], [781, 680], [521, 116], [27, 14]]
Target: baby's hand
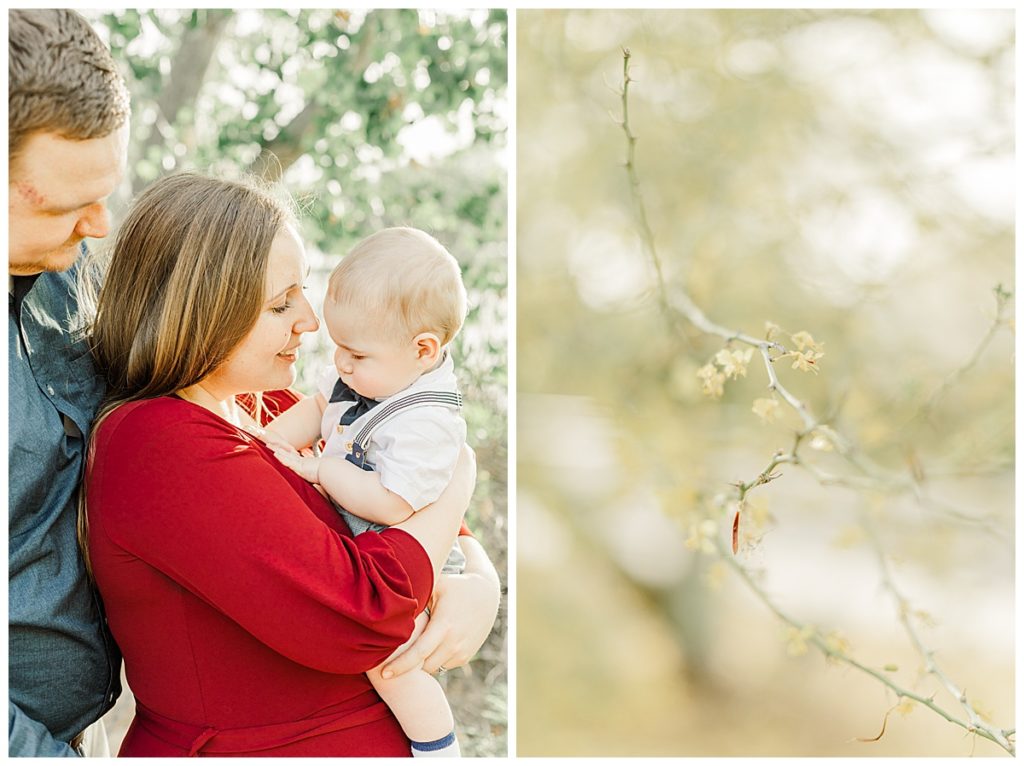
[[269, 438], [306, 466]]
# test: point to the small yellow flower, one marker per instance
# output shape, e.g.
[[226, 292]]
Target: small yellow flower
[[906, 707], [926, 619], [803, 340], [849, 537], [757, 511], [806, 361], [836, 643], [796, 640], [715, 575], [771, 330], [701, 536], [821, 442], [734, 363], [677, 502], [767, 409], [712, 381]]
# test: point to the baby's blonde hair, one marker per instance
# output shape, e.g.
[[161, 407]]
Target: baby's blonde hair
[[406, 280]]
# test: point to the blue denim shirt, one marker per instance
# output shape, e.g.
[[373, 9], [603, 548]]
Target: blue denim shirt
[[64, 667]]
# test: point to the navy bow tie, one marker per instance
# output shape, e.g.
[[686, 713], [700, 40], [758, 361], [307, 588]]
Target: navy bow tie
[[363, 404]]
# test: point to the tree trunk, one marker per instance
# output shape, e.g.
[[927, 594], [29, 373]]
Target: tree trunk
[[188, 71], [278, 154]]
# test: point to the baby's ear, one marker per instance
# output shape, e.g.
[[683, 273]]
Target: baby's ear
[[428, 349]]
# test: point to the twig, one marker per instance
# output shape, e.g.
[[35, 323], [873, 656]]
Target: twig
[[830, 652], [928, 655], [634, 183], [1002, 297], [810, 422], [767, 475], [681, 304], [898, 485]]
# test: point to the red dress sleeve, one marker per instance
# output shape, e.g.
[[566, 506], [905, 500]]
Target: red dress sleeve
[[211, 509]]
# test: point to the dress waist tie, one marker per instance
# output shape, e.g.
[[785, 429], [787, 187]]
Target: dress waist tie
[[201, 739]]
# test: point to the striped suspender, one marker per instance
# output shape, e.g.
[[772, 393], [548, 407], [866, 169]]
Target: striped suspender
[[420, 399]]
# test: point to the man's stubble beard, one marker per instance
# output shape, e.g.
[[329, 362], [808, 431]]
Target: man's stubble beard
[[53, 261]]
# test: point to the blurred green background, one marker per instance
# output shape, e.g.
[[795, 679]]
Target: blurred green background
[[845, 173], [369, 118]]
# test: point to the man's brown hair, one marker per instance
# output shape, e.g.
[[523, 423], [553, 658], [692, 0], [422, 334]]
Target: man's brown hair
[[62, 79]]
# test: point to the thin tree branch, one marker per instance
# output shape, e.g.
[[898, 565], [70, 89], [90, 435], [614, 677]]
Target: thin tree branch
[[927, 654], [898, 486], [834, 653], [282, 151], [681, 304], [634, 183], [189, 66], [1001, 318]]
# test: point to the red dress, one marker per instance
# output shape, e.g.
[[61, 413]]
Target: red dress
[[246, 611]]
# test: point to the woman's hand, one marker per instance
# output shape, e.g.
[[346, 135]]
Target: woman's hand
[[462, 614]]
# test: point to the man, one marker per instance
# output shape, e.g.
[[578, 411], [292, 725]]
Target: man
[[68, 122]]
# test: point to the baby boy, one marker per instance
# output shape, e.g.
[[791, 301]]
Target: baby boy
[[388, 410]]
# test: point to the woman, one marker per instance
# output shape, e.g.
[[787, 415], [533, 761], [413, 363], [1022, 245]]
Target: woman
[[246, 612]]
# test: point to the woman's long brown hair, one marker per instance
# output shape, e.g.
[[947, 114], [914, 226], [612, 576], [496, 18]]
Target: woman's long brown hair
[[185, 284]]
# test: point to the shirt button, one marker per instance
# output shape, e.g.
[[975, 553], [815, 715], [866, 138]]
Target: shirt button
[[49, 390]]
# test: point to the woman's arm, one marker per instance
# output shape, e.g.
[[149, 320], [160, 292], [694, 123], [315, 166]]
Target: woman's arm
[[461, 617], [221, 520]]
